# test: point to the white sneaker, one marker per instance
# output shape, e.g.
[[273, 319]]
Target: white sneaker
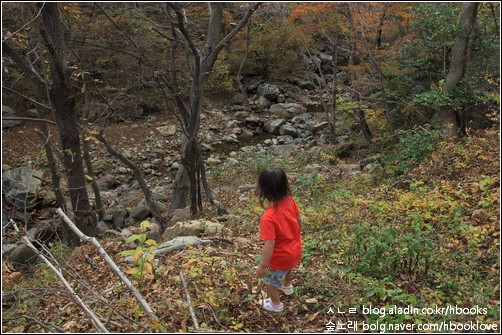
[[287, 290], [268, 306]]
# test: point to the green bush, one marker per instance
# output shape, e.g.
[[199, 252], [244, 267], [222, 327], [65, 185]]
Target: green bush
[[412, 147]]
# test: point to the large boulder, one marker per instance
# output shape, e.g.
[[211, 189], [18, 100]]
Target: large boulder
[[269, 91], [21, 186], [287, 110], [273, 126], [178, 243], [192, 228]]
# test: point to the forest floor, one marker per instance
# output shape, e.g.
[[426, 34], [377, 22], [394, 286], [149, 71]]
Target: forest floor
[[366, 242]]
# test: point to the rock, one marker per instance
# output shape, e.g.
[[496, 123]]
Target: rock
[[20, 186], [283, 150], [319, 126], [306, 85], [263, 102], [246, 188], [181, 214], [167, 131], [192, 228], [140, 212], [7, 249], [232, 162], [119, 216], [241, 115], [9, 112], [368, 160], [126, 233], [253, 120], [22, 254], [272, 126], [232, 139], [286, 110], [178, 243], [288, 129], [269, 91], [213, 161], [102, 227]]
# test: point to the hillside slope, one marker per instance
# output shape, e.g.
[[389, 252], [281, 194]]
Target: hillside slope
[[428, 239]]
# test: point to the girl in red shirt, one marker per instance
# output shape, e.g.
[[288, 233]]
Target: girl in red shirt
[[280, 229]]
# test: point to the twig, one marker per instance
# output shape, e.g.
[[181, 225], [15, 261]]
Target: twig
[[189, 301], [46, 325], [27, 119], [110, 262], [100, 327]]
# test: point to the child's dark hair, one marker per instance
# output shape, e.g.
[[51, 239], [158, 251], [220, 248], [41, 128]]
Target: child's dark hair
[[273, 185]]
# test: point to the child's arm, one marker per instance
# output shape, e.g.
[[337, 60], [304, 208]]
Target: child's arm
[[266, 254]]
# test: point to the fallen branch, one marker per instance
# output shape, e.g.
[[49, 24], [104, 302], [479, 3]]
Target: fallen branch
[[99, 326], [189, 301], [110, 262]]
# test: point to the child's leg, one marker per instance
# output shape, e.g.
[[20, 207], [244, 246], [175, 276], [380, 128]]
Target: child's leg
[[273, 294], [287, 280]]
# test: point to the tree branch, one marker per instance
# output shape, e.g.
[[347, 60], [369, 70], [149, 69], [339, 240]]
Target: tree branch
[[97, 323], [110, 262], [189, 301]]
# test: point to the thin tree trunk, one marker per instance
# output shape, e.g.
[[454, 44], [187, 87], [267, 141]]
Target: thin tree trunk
[[239, 75], [450, 120], [86, 149], [335, 88], [378, 69], [203, 64], [63, 101]]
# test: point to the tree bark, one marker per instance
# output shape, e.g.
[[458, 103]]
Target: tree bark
[[203, 64], [63, 103], [450, 120]]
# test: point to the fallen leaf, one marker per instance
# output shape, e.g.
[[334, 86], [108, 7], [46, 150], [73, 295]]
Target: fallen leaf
[[312, 301], [313, 316]]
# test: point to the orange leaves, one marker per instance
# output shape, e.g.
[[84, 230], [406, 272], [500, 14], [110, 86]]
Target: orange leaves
[[9, 276], [304, 11]]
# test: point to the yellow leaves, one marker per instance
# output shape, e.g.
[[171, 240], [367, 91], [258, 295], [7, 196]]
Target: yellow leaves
[[137, 254]]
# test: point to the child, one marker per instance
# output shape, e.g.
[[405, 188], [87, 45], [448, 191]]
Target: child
[[280, 229]]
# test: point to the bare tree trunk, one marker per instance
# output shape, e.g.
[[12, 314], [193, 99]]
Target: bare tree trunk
[[49, 154], [203, 64], [450, 120], [378, 69], [85, 149], [63, 101], [41, 93], [239, 75], [334, 91]]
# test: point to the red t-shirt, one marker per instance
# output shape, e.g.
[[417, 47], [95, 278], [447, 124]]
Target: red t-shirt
[[281, 224]]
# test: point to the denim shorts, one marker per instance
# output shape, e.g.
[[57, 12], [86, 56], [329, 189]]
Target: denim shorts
[[275, 277]]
